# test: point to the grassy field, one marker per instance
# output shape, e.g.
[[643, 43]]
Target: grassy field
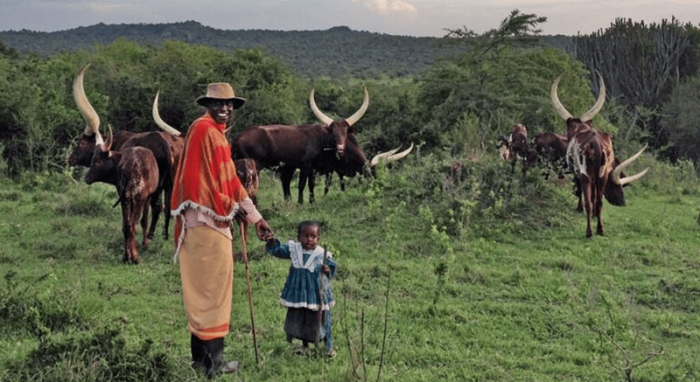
[[415, 302]]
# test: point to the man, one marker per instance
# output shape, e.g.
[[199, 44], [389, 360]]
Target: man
[[207, 197]]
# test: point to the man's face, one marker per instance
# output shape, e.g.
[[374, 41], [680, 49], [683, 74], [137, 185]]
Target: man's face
[[221, 110], [308, 237]]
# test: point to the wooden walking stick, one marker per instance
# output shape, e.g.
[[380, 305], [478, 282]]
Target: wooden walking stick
[[320, 298], [250, 294]]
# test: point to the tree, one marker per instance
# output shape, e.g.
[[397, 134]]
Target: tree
[[681, 121], [640, 63], [504, 78]]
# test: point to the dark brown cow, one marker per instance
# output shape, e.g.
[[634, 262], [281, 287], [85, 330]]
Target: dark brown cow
[[551, 148], [591, 158], [354, 162], [288, 148], [135, 172], [163, 147]]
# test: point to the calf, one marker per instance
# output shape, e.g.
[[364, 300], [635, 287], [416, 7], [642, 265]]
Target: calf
[[135, 172]]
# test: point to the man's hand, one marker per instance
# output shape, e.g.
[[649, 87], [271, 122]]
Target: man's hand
[[263, 230], [326, 270], [241, 215]]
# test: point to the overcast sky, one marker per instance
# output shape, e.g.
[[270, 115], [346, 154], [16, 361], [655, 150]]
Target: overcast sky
[[396, 17]]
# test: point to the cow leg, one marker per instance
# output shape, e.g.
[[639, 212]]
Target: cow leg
[[586, 194], [136, 210], [126, 217], [168, 189], [342, 183], [286, 178], [312, 185], [578, 192], [142, 209], [156, 208], [599, 207], [303, 178], [329, 180]]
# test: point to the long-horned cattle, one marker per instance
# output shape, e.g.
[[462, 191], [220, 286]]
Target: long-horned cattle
[[163, 147], [246, 169], [290, 147], [591, 158], [354, 162], [134, 170], [514, 147], [550, 150]]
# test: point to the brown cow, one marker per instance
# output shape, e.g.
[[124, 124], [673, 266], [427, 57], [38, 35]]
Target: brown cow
[[551, 147], [514, 146], [288, 148], [591, 157], [354, 162], [161, 145], [136, 173]]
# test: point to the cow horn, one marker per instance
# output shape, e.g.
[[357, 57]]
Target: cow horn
[[156, 117], [629, 179], [376, 158], [318, 113], [400, 155], [587, 116], [358, 114], [555, 100], [390, 156], [104, 146], [88, 112]]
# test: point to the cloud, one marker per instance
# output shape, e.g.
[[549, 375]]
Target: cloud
[[103, 8], [385, 6]]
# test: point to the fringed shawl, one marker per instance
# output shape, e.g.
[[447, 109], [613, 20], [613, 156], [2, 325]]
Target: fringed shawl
[[206, 177]]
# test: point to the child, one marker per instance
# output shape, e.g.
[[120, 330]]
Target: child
[[305, 285]]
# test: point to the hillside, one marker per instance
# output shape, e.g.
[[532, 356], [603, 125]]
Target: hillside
[[336, 52]]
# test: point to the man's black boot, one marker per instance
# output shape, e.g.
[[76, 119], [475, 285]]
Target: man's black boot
[[214, 358], [197, 348]]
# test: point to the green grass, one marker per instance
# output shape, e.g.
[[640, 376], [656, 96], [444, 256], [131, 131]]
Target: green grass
[[501, 298]]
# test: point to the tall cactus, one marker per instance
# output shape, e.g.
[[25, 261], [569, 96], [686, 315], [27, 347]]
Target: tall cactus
[[639, 62]]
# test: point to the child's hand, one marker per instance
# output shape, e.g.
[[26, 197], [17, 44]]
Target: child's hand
[[326, 270]]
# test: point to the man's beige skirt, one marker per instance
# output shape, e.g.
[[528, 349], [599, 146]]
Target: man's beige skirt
[[206, 270]]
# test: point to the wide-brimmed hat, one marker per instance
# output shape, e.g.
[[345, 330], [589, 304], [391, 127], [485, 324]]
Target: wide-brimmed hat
[[220, 90]]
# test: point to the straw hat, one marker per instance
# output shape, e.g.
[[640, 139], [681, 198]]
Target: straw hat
[[220, 90]]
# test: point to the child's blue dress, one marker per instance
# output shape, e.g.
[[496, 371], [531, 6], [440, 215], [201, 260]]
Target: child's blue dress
[[301, 291]]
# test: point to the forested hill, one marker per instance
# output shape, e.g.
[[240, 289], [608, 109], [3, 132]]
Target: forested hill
[[337, 52]]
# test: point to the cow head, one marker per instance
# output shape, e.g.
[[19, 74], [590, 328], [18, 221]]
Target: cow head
[[103, 165], [582, 123], [82, 153], [613, 192], [355, 162], [340, 129]]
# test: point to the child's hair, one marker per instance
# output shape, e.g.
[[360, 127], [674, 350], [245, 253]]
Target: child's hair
[[308, 223]]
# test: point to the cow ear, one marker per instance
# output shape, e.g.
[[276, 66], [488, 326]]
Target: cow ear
[[589, 122], [352, 130]]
